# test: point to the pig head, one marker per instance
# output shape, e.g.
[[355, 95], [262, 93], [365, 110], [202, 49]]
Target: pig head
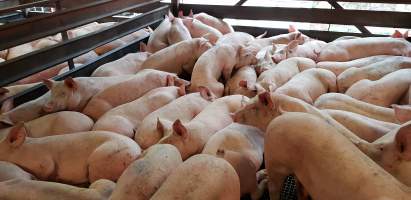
[[65, 95]]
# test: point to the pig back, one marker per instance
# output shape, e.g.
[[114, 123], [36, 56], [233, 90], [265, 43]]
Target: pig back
[[201, 177]]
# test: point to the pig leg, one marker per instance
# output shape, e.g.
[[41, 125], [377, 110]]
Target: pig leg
[[261, 185], [109, 160]]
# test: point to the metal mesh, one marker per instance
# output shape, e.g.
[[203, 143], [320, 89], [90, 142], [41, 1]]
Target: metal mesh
[[289, 191]]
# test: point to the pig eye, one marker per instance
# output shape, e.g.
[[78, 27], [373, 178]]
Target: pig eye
[[381, 148]]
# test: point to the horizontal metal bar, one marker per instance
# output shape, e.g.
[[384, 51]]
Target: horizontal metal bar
[[28, 5], [347, 17], [321, 35], [17, 33], [84, 70], [20, 67], [370, 1]]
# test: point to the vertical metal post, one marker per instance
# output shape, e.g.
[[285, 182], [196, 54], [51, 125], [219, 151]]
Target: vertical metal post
[[175, 4], [64, 36]]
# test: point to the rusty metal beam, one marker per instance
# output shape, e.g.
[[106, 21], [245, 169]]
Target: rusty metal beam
[[17, 33], [16, 69]]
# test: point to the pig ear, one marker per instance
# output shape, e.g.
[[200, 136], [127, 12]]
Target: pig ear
[[292, 45], [171, 16], [17, 135], [169, 80], [262, 35], [265, 99], [179, 129], [4, 90], [70, 83], [7, 106], [397, 34], [402, 112], [180, 14], [5, 119], [291, 28], [206, 93], [182, 90], [49, 83], [403, 142], [210, 37], [160, 126], [243, 84], [143, 47], [191, 14]]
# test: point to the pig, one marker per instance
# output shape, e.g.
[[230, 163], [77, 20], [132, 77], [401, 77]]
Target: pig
[[241, 82], [346, 50], [274, 78], [9, 171], [338, 67], [74, 93], [346, 103], [184, 108], [127, 91], [244, 139], [64, 122], [364, 127], [198, 29], [326, 163], [267, 106], [144, 176], [178, 57], [55, 70], [309, 49], [235, 38], [24, 112], [129, 64], [391, 152], [242, 146], [217, 61], [122, 41], [12, 189], [158, 39], [190, 138], [390, 88], [264, 60], [371, 72], [212, 21], [310, 84], [202, 177], [177, 32], [283, 39], [19, 50], [97, 155], [88, 28], [8, 91], [126, 118]]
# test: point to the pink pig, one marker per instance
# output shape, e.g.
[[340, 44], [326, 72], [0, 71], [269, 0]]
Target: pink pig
[[191, 137]]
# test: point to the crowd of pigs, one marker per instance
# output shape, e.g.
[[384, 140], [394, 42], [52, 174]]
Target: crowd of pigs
[[335, 115]]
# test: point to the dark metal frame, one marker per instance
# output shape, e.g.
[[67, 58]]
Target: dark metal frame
[[358, 18], [23, 66]]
